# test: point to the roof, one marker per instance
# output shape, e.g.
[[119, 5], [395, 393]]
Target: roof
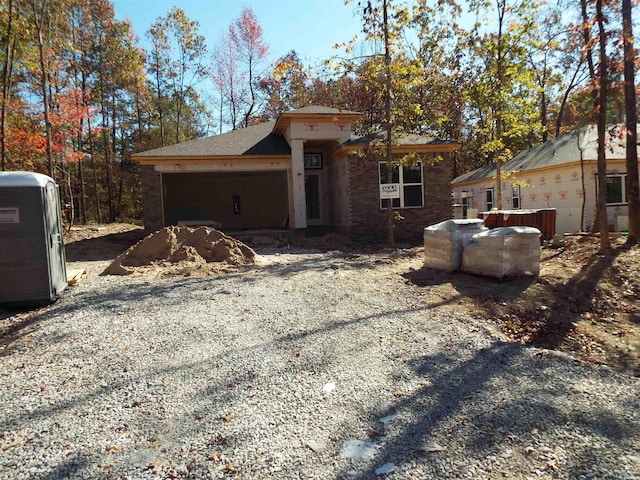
[[319, 110], [267, 139], [565, 149], [405, 140], [257, 140], [24, 179]]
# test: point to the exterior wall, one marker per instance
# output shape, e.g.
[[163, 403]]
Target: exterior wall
[[560, 188], [338, 179], [318, 131], [151, 198], [368, 220]]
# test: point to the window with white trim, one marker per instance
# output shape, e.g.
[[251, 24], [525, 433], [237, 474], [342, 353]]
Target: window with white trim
[[616, 189], [515, 197], [489, 198], [409, 181]]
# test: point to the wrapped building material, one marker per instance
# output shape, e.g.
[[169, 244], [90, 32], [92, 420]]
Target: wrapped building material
[[503, 252], [443, 242]]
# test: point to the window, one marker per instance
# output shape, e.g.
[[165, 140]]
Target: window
[[515, 197], [616, 189], [408, 179], [489, 197], [312, 160]]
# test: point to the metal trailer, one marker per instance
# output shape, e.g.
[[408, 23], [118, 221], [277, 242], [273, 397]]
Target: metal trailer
[[32, 257]]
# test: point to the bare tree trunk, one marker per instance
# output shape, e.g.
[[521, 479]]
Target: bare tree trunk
[[387, 120], [7, 72], [601, 199], [500, 107], [38, 18], [633, 182], [95, 175], [565, 98]]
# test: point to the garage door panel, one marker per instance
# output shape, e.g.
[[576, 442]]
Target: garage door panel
[[236, 200]]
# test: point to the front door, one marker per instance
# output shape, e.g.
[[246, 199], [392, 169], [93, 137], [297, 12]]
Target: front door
[[312, 195]]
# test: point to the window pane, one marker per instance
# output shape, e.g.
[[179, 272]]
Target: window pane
[[395, 176], [614, 190], [489, 198], [516, 196], [412, 174], [413, 196], [385, 202]]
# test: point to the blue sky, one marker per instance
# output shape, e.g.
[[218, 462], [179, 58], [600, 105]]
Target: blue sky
[[311, 27]]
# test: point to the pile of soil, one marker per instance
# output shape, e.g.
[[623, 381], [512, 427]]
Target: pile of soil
[[183, 250]]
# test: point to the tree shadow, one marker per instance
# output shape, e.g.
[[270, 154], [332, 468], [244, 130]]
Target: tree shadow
[[466, 395], [570, 301], [550, 317]]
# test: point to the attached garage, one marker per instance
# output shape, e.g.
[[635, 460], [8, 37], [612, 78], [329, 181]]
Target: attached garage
[[237, 200]]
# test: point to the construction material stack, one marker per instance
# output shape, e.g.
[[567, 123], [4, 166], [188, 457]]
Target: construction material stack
[[503, 252], [444, 242]]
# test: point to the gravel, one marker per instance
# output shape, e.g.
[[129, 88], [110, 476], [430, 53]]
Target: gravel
[[313, 365]]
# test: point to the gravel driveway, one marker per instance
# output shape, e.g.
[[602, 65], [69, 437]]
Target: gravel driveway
[[311, 366]]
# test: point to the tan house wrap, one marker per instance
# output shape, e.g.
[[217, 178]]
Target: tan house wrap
[[559, 174]]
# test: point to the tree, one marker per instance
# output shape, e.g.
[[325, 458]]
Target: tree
[[287, 87], [240, 56], [502, 91], [631, 131], [177, 64], [599, 85]]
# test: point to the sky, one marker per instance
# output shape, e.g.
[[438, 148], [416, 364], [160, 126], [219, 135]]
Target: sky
[[311, 27]]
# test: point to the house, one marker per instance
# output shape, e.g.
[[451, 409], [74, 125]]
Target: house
[[558, 174], [305, 169]]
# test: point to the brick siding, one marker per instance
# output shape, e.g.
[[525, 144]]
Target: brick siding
[[369, 221], [151, 198]]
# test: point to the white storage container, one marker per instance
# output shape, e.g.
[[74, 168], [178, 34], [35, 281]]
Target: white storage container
[[443, 242], [503, 252]]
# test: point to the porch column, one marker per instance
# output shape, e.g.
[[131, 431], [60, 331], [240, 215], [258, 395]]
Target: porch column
[[297, 184]]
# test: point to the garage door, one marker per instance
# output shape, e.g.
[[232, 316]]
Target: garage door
[[236, 200]]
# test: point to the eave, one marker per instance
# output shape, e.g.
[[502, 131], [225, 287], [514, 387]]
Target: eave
[[209, 159], [406, 149]]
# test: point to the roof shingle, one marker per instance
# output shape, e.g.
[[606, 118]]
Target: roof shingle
[[253, 140]]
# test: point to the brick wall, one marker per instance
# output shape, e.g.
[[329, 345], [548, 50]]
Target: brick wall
[[368, 221], [151, 198]]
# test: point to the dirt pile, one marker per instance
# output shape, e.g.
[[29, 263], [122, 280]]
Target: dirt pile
[[182, 251]]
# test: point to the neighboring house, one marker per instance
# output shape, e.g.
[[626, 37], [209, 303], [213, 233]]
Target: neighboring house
[[304, 169], [558, 174]]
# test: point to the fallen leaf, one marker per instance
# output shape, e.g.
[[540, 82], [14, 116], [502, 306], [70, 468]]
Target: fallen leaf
[[157, 465], [227, 417], [216, 456], [113, 448]]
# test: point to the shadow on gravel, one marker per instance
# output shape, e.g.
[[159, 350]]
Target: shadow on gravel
[[71, 467], [17, 324], [458, 394]]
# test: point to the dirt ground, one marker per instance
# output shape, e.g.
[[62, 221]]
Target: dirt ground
[[582, 302]]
